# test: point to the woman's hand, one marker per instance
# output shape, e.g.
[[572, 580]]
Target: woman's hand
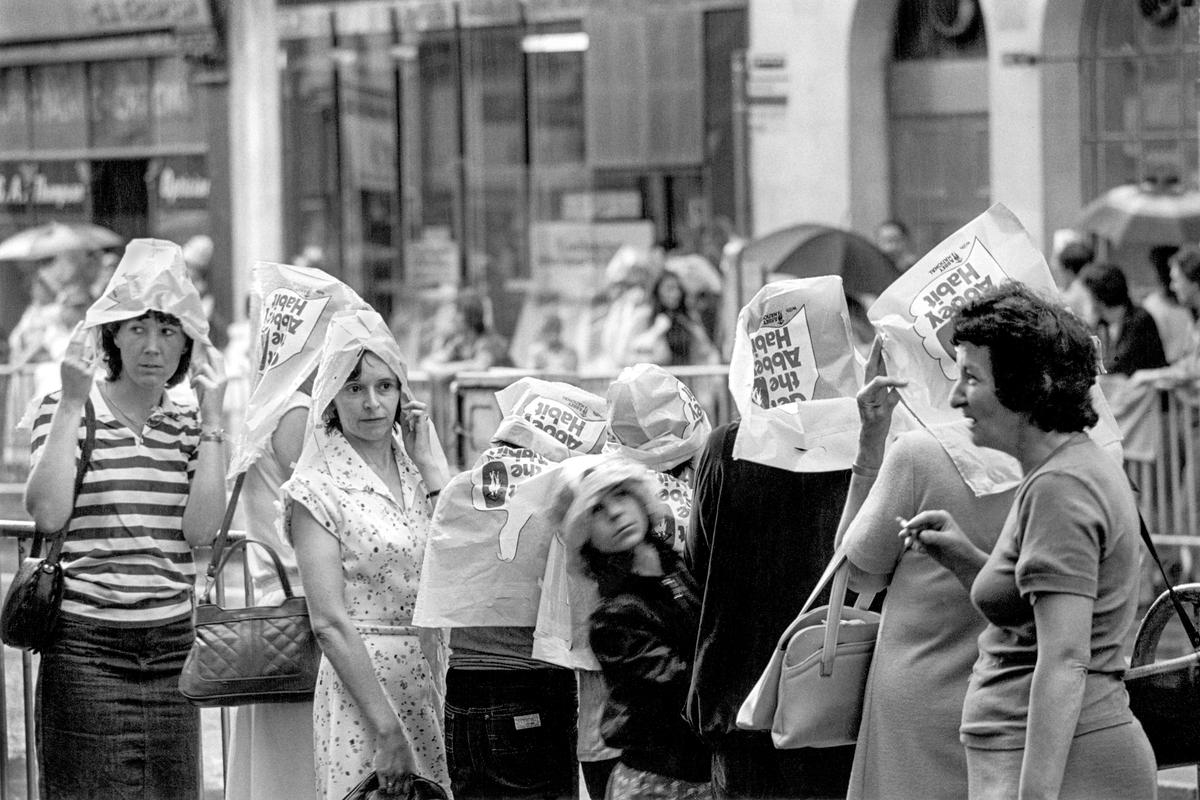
[[938, 535], [77, 370], [414, 431], [209, 381], [877, 400], [391, 759]]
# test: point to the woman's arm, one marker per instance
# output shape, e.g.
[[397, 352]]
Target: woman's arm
[[50, 490], [876, 402], [1064, 625], [206, 495], [288, 439], [319, 556]]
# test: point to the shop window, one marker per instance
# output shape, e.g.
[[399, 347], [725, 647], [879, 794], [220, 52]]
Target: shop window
[[173, 105], [58, 107], [14, 111], [120, 95], [1138, 75]]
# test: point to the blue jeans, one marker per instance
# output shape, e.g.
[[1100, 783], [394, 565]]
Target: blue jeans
[[111, 723], [511, 733]]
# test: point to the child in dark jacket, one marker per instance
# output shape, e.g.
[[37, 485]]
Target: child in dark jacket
[[643, 632]]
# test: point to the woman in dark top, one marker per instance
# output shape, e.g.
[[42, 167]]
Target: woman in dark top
[[643, 632], [1129, 333]]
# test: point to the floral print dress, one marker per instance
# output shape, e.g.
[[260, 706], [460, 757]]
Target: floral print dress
[[382, 542]]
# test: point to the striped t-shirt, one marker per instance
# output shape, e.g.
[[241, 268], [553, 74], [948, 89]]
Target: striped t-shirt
[[125, 560]]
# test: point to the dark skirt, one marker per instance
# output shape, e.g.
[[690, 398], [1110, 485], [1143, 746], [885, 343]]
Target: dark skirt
[[111, 722]]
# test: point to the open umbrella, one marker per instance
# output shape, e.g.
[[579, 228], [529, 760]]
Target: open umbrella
[[1143, 214], [53, 238], [808, 250]]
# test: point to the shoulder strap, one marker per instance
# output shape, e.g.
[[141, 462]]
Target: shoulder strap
[[222, 539], [81, 468], [1184, 619]]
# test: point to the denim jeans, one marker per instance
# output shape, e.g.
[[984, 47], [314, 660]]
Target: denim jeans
[[111, 722], [511, 733]]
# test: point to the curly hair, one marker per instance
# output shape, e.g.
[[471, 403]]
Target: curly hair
[[1043, 358], [112, 353]]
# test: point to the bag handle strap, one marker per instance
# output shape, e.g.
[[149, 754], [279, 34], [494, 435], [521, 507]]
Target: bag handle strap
[[241, 544], [81, 468], [837, 572], [217, 560], [1184, 619]]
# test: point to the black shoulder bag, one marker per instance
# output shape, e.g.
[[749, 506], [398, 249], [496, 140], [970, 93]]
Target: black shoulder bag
[[30, 616]]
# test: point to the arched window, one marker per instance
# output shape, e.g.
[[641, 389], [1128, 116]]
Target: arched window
[[1138, 81]]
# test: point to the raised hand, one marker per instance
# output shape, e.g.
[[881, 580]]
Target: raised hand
[[414, 429], [77, 369], [209, 381], [877, 400]]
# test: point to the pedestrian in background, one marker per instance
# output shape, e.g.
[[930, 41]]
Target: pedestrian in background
[[1128, 334]]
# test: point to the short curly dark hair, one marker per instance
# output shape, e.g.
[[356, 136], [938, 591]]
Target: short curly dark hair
[[112, 353], [1043, 358]]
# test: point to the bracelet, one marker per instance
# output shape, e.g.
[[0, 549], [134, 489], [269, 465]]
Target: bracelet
[[215, 435], [864, 472]]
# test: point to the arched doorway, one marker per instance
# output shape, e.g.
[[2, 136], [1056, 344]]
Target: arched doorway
[[938, 117]]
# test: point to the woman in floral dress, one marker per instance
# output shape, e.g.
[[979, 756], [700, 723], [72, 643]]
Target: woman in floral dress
[[357, 511]]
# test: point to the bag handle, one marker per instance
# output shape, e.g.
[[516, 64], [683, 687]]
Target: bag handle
[[1184, 619], [81, 468], [837, 571], [241, 544], [217, 561]]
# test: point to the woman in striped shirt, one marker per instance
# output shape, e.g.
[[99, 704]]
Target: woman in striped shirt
[[110, 720]]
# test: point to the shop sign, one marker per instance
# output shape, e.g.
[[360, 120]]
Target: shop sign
[[570, 257], [61, 185], [76, 19], [486, 13], [181, 181], [586, 206], [767, 82], [431, 260], [426, 15]]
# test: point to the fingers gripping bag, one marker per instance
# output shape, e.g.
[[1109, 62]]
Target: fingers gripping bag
[[292, 307], [793, 375], [488, 533], [914, 318]]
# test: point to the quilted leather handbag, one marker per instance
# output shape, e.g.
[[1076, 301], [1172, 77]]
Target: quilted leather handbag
[[31, 607], [260, 654], [1165, 695], [811, 692]]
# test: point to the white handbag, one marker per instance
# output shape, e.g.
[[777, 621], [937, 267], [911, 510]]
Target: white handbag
[[811, 692]]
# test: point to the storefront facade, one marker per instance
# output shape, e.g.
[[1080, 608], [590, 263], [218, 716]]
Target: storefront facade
[[930, 111], [503, 145], [114, 113]]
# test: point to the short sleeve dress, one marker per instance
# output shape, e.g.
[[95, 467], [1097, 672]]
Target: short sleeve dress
[[382, 540], [908, 747]]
